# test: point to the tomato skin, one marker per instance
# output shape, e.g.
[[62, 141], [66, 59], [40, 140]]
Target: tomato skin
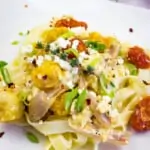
[[81, 46], [138, 57], [140, 119], [70, 23]]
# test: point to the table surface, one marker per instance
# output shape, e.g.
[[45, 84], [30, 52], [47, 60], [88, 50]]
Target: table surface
[[139, 3]]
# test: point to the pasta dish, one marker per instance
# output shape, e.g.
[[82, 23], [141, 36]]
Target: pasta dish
[[76, 86]]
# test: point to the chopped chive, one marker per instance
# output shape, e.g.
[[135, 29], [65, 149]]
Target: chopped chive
[[96, 46], [47, 47], [63, 56], [32, 138], [90, 69], [39, 45], [15, 42], [74, 62]]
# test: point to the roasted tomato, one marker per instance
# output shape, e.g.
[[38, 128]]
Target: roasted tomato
[[70, 23], [80, 46], [138, 57], [140, 119]]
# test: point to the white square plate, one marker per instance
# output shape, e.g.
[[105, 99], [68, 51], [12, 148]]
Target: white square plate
[[107, 17]]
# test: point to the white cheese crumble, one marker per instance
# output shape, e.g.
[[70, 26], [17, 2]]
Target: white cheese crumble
[[120, 61], [82, 56], [68, 80], [64, 64], [92, 51], [39, 60], [62, 42], [75, 44], [75, 71], [104, 105], [113, 113], [30, 59]]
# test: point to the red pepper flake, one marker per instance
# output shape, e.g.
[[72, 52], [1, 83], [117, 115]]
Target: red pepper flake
[[130, 30], [1, 134], [26, 6], [88, 101]]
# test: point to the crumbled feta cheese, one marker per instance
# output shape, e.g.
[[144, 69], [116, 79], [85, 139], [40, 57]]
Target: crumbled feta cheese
[[75, 71], [62, 42], [30, 59], [39, 60], [91, 51], [120, 61], [82, 56], [47, 57], [106, 99], [75, 44], [53, 46], [113, 113], [68, 80], [64, 64], [103, 106], [27, 49]]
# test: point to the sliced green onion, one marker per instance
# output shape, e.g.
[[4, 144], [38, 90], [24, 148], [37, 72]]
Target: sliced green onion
[[32, 138], [68, 34], [105, 84], [3, 63], [15, 42], [132, 69], [73, 51], [96, 46], [81, 101], [69, 98], [5, 75]]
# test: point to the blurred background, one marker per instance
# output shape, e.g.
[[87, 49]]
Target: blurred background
[[140, 3]]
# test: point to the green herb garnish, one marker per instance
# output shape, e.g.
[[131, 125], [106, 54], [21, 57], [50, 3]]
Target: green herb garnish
[[3, 63], [90, 69], [5, 75], [68, 35], [39, 45], [69, 97], [47, 47], [132, 69], [74, 62], [4, 72], [15, 43], [55, 52], [96, 46], [73, 51], [21, 33], [81, 101], [32, 138], [63, 56], [107, 87]]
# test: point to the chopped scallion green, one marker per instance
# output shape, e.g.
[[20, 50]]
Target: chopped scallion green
[[81, 101], [69, 98], [15, 42], [32, 138]]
